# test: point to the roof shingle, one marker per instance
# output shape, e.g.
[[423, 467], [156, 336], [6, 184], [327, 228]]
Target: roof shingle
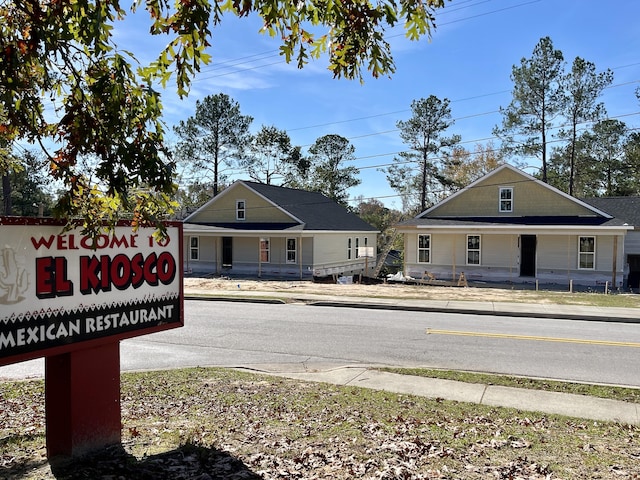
[[623, 208], [316, 211]]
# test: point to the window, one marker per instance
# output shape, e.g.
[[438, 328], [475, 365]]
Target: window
[[424, 248], [264, 250], [357, 248], [194, 248], [473, 249], [241, 210], [506, 199], [587, 253], [292, 250], [348, 249]]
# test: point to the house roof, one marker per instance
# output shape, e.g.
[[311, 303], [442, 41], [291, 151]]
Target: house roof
[[623, 208], [308, 210], [587, 214]]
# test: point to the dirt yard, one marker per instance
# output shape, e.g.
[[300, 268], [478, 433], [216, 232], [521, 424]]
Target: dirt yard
[[220, 286]]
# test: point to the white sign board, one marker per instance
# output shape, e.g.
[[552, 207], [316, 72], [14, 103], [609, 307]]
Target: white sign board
[[58, 289], [366, 252]]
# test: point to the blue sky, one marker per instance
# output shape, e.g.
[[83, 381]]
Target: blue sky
[[468, 60]]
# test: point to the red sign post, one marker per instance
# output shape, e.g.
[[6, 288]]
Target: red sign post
[[71, 300]]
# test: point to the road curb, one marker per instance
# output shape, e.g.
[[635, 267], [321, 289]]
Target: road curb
[[274, 301], [421, 308], [472, 311]]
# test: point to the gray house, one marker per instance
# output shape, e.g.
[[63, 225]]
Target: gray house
[[265, 230], [627, 209]]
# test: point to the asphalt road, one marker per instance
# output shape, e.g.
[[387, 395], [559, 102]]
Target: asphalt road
[[246, 334]]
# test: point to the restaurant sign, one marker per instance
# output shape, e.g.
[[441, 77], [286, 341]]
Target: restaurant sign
[[61, 289]]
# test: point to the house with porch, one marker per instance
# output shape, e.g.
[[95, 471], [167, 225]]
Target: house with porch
[[510, 227], [270, 231], [627, 209]]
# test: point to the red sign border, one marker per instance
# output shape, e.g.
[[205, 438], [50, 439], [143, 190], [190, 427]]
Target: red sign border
[[85, 344]]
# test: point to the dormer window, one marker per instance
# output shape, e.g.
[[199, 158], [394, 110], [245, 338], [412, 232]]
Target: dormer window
[[241, 210], [506, 200]]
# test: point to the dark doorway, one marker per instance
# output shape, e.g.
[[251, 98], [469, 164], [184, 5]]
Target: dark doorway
[[527, 255], [227, 252], [634, 271]]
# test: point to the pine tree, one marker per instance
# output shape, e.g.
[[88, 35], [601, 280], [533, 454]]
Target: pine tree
[[536, 102], [423, 133], [214, 138]]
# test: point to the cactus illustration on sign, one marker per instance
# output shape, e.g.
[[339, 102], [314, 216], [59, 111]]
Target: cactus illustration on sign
[[13, 279]]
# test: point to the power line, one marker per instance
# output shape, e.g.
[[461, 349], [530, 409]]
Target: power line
[[477, 141], [474, 97], [385, 132]]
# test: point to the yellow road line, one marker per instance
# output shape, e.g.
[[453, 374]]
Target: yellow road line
[[431, 331]]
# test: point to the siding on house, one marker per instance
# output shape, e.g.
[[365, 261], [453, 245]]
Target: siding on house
[[557, 254], [556, 259], [245, 259], [632, 243], [449, 256], [208, 248], [331, 250], [257, 209], [530, 199]]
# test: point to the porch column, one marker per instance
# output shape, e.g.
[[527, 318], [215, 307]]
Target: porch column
[[453, 258], [259, 257], [187, 253], [511, 258], [300, 255], [615, 261], [217, 253], [569, 237]]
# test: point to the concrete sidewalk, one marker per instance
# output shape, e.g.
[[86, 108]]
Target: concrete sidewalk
[[579, 406], [530, 310]]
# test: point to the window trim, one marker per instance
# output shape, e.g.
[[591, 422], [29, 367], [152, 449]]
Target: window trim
[[240, 209], [591, 254], [500, 199], [423, 249], [357, 247], [349, 247], [294, 251], [479, 249], [263, 241], [194, 249]]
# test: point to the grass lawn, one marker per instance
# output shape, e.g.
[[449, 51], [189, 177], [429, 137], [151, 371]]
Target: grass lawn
[[218, 423]]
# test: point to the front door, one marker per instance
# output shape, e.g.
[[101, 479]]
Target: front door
[[634, 271], [227, 252], [527, 255]]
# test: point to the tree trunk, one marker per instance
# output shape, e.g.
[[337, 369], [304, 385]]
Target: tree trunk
[[572, 158], [544, 146], [6, 195], [423, 193]]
